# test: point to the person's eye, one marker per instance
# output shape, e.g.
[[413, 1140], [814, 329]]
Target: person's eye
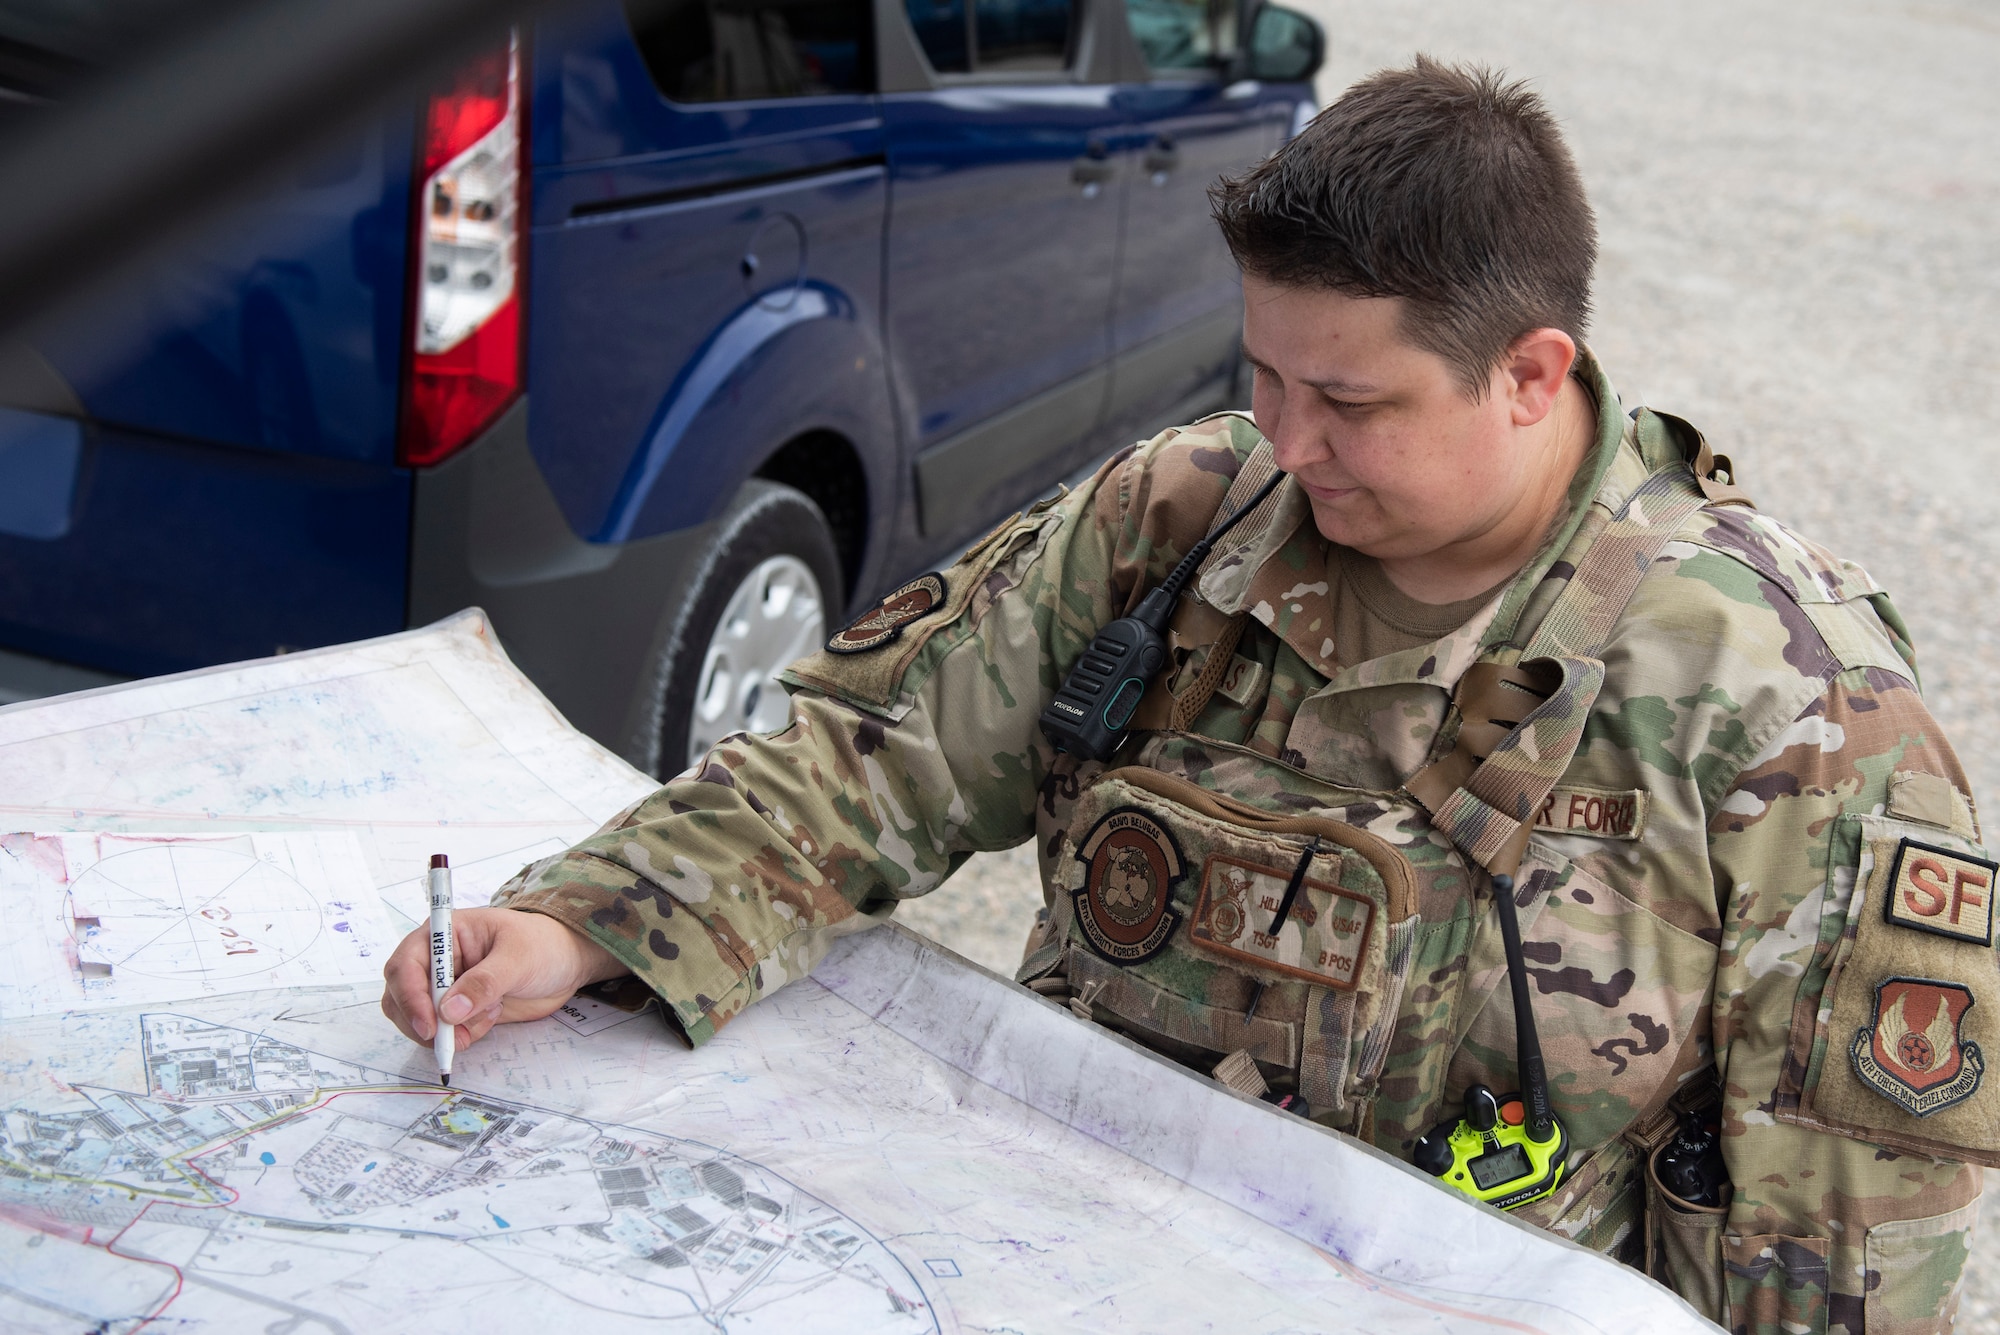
[[1347, 405]]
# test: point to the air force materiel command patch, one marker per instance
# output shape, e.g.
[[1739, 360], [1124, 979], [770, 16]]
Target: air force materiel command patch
[[1912, 1054], [1130, 866], [1934, 890], [915, 600]]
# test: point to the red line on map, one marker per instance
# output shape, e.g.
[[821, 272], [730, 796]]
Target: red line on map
[[1374, 1285]]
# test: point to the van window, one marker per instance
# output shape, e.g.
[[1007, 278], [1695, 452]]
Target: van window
[[740, 50], [1183, 34], [1021, 34], [993, 36], [941, 27]]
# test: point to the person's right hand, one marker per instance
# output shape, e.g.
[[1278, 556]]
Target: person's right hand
[[512, 966]]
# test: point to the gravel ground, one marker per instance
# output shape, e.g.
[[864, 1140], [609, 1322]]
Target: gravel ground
[[1799, 254]]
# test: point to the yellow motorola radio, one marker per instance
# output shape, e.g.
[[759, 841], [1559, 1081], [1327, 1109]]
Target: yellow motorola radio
[[1505, 1149]]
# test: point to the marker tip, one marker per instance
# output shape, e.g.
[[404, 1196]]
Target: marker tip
[[445, 1080]]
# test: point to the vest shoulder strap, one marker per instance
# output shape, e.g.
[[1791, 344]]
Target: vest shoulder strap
[[1255, 472], [1520, 725], [1177, 712]]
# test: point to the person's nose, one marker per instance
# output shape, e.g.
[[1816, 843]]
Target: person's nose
[[1296, 442]]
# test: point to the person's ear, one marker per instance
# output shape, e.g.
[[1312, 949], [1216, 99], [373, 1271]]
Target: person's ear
[[1532, 374]]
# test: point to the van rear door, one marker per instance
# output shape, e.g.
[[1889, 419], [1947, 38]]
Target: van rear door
[[197, 458]]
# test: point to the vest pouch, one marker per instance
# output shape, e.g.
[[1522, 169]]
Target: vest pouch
[[1599, 1205], [1685, 1249], [1169, 891]]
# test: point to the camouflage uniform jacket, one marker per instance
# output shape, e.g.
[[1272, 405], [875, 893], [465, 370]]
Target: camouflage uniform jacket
[[1743, 867]]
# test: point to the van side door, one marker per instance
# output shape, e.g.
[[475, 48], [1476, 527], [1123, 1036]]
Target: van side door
[[1178, 319], [1003, 240], [708, 180]]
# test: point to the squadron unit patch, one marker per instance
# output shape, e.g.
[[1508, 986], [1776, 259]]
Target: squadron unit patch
[[1324, 938], [1124, 906], [1911, 1053], [1935, 890], [885, 621]]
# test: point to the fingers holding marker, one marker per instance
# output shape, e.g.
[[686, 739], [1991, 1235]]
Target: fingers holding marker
[[474, 1004], [406, 995], [512, 966]]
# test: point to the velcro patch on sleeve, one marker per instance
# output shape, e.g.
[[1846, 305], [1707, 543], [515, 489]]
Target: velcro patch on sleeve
[[1894, 1053], [882, 623], [865, 662], [1598, 813], [1914, 1052], [1935, 890]]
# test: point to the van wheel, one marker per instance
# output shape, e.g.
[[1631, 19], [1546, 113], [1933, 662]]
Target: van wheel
[[762, 598]]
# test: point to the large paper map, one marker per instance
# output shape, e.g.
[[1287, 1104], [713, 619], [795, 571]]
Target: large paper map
[[901, 1143]]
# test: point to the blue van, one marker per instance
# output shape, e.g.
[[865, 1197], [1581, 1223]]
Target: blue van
[[668, 331]]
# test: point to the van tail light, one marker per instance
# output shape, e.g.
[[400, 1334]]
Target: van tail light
[[465, 364]]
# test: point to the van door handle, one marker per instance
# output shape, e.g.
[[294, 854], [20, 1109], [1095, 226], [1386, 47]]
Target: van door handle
[[1161, 157], [1094, 168]]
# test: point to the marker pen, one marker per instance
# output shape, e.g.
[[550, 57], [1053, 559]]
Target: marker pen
[[442, 971]]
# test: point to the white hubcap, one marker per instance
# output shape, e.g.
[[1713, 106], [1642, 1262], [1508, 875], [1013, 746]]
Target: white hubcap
[[775, 616]]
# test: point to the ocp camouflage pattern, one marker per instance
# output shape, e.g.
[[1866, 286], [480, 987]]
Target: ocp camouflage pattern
[[1758, 695]]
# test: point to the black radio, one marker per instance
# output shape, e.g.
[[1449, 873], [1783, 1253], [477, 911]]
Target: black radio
[[1089, 714]]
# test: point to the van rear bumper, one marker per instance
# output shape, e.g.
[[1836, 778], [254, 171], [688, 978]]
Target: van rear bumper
[[584, 620], [26, 677]]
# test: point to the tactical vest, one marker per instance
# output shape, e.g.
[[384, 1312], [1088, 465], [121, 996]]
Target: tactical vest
[[1382, 994]]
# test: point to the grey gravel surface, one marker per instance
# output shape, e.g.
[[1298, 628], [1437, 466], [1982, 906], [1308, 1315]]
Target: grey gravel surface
[[1800, 216]]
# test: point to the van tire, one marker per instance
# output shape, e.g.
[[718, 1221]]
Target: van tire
[[769, 528]]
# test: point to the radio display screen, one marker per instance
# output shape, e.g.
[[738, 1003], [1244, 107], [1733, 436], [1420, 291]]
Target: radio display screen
[[1502, 1165]]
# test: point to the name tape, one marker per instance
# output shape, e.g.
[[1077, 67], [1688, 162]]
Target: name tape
[[1596, 812]]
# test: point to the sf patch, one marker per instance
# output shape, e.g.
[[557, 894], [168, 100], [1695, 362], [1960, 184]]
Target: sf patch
[[1912, 1053], [883, 623], [1934, 890], [1130, 866]]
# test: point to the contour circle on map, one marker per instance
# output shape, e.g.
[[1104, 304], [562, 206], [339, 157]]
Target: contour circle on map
[[189, 911]]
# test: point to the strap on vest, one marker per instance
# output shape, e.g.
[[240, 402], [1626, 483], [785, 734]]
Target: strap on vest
[[1186, 706], [1491, 700], [1194, 697], [1255, 472], [1484, 794], [1713, 472]]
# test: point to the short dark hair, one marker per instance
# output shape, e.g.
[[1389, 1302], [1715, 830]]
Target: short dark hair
[[1443, 185]]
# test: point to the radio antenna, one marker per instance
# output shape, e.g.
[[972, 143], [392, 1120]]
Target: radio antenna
[[1541, 1117]]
